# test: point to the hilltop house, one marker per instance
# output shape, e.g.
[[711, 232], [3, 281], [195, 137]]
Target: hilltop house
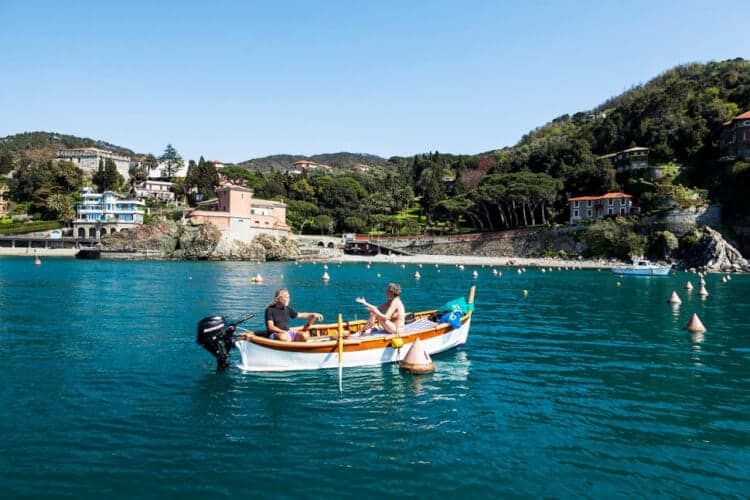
[[628, 159], [597, 207], [158, 190], [88, 159], [3, 201], [105, 213], [301, 165], [241, 217], [735, 137]]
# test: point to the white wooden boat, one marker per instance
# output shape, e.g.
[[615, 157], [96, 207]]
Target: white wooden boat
[[643, 267], [321, 350]]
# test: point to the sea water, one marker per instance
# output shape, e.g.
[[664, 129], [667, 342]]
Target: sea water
[[584, 385]]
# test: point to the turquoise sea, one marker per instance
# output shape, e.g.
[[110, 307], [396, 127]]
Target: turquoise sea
[[581, 388]]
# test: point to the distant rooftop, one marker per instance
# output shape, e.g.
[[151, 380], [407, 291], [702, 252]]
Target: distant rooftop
[[602, 197]]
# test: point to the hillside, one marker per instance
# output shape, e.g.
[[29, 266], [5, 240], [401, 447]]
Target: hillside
[[342, 161], [42, 146]]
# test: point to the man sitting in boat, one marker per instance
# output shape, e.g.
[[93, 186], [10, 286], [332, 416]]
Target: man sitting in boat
[[278, 314], [389, 315]]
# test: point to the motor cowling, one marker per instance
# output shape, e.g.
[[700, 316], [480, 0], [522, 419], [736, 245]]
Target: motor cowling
[[216, 337]]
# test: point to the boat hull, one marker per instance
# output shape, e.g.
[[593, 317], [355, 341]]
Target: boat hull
[[651, 271], [264, 355]]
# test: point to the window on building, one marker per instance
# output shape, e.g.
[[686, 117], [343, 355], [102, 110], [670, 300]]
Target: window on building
[[610, 202], [588, 203], [746, 123], [575, 213], [588, 213], [610, 211], [747, 135], [575, 204]]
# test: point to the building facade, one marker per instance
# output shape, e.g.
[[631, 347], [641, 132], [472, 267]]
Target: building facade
[[157, 190], [598, 207], [735, 137], [628, 159], [241, 217], [88, 159], [99, 214]]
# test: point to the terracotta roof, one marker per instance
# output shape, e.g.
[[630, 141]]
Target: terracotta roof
[[602, 197], [743, 116]]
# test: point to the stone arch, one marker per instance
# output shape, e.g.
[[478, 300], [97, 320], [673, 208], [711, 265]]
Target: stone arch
[[81, 232], [103, 231], [92, 232], [330, 244], [321, 244]]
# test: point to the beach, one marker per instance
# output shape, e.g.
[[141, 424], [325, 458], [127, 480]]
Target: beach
[[469, 260]]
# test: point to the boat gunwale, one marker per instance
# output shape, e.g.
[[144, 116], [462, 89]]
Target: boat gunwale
[[353, 343]]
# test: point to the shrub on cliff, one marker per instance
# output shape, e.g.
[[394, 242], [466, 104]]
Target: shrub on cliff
[[616, 238]]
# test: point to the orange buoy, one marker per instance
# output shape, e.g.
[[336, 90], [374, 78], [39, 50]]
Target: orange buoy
[[325, 276], [37, 261], [417, 360], [688, 286], [703, 292], [694, 325], [674, 298]]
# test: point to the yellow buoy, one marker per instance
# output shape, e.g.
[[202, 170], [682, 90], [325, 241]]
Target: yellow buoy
[[397, 342]]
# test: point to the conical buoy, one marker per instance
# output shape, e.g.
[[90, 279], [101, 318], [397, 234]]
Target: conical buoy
[[674, 298], [475, 274], [694, 325], [703, 292], [257, 278], [325, 276], [494, 272], [37, 261], [417, 275], [461, 267], [688, 286], [417, 360], [325, 266]]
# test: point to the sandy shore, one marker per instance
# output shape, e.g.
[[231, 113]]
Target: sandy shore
[[468, 260], [446, 260]]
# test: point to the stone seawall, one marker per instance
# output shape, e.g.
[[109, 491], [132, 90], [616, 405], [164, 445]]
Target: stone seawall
[[526, 242], [681, 221]]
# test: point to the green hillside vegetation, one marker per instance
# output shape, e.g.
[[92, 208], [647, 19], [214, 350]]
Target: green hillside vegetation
[[30, 147], [678, 115], [337, 161]]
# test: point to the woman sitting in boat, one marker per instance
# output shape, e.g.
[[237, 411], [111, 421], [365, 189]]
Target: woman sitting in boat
[[389, 315], [278, 314]]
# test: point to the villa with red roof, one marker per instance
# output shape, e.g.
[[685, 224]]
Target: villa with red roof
[[735, 137], [598, 207]]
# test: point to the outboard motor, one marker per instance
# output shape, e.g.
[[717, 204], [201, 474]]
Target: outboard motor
[[218, 338]]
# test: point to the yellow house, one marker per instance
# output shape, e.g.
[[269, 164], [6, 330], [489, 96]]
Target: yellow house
[[241, 217]]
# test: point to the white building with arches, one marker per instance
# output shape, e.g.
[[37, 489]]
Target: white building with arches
[[105, 213]]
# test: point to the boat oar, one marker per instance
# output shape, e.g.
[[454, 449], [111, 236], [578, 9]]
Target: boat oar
[[341, 355]]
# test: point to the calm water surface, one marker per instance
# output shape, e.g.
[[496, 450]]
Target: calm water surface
[[582, 388]]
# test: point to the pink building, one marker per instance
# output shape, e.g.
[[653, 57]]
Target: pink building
[[241, 217]]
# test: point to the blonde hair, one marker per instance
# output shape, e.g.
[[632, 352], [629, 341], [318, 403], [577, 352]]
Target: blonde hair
[[277, 296]]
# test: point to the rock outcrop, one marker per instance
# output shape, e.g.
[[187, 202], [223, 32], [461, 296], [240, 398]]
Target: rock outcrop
[[705, 248], [188, 241]]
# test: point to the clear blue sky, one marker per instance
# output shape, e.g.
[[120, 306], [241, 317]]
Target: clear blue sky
[[238, 80]]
